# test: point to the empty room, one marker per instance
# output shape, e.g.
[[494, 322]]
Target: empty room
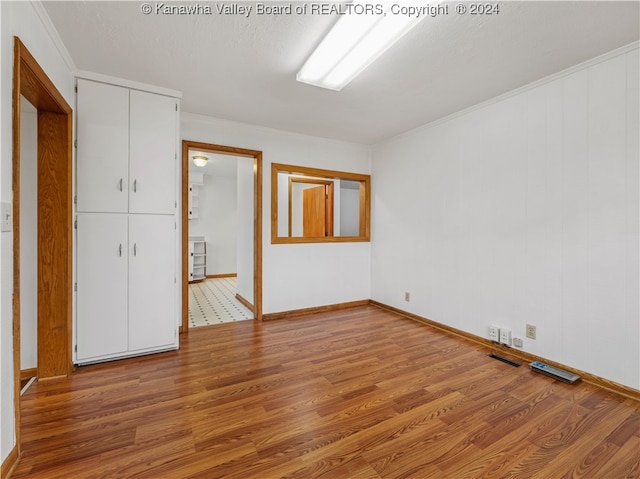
[[294, 239]]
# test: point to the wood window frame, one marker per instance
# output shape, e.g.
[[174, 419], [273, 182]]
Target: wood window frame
[[364, 225]]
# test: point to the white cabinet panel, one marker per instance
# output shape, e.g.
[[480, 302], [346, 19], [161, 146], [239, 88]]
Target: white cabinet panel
[[197, 258], [152, 153], [190, 260], [152, 279], [103, 147], [126, 304], [102, 285]]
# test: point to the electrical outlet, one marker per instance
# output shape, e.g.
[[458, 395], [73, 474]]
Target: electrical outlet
[[494, 334], [531, 331], [517, 342], [407, 296], [505, 336]]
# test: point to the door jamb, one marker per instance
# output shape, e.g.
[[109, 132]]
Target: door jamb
[[55, 212]]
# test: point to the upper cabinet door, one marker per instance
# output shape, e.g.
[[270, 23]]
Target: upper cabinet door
[[152, 165], [103, 147]]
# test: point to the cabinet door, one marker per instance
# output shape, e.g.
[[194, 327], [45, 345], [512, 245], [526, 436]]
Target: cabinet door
[[152, 166], [101, 316], [152, 252], [190, 258], [103, 147]]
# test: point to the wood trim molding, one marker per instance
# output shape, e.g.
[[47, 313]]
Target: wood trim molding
[[184, 240], [317, 173], [9, 464], [589, 378], [55, 212], [55, 244], [224, 275], [28, 373], [246, 303], [329, 203], [257, 249], [294, 313], [257, 220], [17, 91]]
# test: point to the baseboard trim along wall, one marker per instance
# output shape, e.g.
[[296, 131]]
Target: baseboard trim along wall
[[224, 275], [316, 309], [247, 304], [28, 373], [10, 463], [592, 379]]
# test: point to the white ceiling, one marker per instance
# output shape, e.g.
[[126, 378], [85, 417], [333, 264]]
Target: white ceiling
[[218, 165], [243, 69]]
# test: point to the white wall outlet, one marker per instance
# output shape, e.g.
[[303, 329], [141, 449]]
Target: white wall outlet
[[494, 333], [5, 217], [518, 343], [531, 331], [407, 296], [505, 336]]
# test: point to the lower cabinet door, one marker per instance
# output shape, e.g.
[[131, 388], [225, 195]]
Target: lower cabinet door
[[101, 321], [152, 243]]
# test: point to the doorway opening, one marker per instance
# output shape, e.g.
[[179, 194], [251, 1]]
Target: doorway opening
[[208, 260], [53, 223]]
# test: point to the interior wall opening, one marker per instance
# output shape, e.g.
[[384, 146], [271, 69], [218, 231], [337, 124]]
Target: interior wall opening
[[221, 233], [28, 243], [220, 238]]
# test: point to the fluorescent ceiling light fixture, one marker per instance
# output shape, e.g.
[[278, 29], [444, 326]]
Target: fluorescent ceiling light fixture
[[354, 42], [200, 160]]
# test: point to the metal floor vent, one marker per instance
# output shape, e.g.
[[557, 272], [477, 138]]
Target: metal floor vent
[[505, 360]]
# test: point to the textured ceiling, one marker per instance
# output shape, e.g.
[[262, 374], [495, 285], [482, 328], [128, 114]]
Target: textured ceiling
[[243, 68]]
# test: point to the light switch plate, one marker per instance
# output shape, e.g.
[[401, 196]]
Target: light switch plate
[[5, 217]]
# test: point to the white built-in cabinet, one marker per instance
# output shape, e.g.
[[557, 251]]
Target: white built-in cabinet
[[126, 222], [197, 258], [193, 201]]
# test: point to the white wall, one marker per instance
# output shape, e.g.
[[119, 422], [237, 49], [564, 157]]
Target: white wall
[[245, 228], [300, 275], [283, 204], [523, 210], [28, 237], [22, 19], [218, 221], [349, 212]]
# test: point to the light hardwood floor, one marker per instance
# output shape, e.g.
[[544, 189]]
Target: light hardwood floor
[[357, 394]]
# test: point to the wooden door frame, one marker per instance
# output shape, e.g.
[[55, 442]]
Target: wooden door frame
[[257, 221], [55, 213], [328, 202]]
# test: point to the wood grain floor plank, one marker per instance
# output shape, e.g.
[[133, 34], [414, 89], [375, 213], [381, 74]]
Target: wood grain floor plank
[[360, 393]]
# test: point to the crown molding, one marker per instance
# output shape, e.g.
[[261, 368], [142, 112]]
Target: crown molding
[[134, 85], [525, 88]]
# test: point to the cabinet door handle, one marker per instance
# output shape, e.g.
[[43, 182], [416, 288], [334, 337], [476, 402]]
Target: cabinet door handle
[[121, 184], [135, 186], [120, 250], [135, 249]]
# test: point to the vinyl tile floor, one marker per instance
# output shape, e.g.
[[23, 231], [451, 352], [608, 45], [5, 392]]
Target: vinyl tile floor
[[213, 301]]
